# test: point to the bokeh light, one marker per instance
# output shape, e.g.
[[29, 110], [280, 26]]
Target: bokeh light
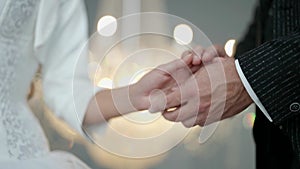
[[107, 25], [105, 83], [123, 63], [230, 47], [183, 34]]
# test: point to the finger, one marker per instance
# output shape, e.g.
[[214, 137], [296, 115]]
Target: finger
[[170, 100], [191, 122], [182, 113], [174, 99], [170, 116], [183, 92], [188, 59], [209, 54], [200, 119], [197, 59], [192, 61], [213, 52], [197, 55], [157, 101], [195, 68]]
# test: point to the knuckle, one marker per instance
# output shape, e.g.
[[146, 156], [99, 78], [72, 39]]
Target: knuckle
[[204, 107], [201, 121], [187, 125], [170, 116]]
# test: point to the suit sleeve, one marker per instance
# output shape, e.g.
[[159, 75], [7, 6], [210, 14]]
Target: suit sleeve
[[272, 70]]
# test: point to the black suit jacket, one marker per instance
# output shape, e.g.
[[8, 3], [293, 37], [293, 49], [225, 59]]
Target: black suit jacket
[[272, 67]]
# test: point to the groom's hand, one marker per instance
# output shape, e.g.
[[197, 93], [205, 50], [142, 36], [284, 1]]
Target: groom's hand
[[214, 93], [202, 55], [194, 60]]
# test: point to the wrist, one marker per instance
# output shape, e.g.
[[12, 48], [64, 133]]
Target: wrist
[[137, 99]]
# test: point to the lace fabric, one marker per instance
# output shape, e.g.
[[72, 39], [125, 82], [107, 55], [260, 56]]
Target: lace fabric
[[22, 142]]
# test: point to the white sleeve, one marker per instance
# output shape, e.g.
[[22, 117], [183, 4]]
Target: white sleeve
[[250, 90], [61, 32]]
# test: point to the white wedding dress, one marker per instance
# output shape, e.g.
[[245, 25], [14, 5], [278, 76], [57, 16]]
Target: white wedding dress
[[50, 33]]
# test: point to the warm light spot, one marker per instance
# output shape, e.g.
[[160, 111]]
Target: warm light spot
[[171, 109], [230, 47], [107, 25], [248, 120], [105, 83], [183, 34]]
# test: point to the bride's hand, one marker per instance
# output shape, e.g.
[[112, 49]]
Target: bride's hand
[[159, 82]]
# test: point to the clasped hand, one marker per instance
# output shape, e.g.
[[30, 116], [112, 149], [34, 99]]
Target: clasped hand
[[201, 88]]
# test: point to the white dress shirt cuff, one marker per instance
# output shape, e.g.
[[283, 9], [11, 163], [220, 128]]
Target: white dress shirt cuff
[[250, 90]]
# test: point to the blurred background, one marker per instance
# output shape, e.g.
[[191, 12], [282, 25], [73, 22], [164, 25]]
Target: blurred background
[[230, 147]]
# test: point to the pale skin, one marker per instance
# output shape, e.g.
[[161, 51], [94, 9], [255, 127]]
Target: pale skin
[[193, 104], [208, 109], [110, 103]]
